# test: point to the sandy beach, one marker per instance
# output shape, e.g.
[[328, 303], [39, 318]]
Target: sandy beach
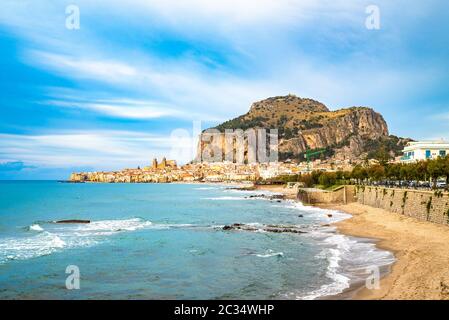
[[421, 249]]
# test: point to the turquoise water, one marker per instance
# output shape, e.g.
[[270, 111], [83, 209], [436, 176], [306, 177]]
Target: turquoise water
[[164, 241]]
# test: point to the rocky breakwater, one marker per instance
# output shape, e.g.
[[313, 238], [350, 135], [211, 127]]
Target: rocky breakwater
[[264, 228], [272, 197]]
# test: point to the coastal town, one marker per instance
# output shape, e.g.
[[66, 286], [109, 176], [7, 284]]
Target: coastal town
[[167, 171]]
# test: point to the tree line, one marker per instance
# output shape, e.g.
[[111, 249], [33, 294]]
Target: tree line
[[429, 170]]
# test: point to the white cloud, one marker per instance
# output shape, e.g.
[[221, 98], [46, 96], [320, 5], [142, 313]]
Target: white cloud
[[194, 90], [78, 67], [103, 150], [120, 108], [143, 112], [184, 89], [231, 11], [228, 15]]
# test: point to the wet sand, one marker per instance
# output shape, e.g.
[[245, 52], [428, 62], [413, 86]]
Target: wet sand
[[421, 249]]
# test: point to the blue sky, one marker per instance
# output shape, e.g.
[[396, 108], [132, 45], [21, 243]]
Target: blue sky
[[109, 95]]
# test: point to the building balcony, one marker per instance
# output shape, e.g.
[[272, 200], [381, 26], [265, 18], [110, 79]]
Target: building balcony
[[406, 158]]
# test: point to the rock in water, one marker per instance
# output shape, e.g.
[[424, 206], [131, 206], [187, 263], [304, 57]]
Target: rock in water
[[266, 228], [73, 221], [277, 197]]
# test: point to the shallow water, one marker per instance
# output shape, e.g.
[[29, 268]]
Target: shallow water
[[164, 241]]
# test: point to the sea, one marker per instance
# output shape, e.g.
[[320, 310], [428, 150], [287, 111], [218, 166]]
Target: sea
[[166, 241]]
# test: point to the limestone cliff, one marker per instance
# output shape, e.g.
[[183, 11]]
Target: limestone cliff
[[308, 124]]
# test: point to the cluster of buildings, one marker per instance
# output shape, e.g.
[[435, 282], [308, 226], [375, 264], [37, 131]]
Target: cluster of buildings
[[168, 171], [165, 171]]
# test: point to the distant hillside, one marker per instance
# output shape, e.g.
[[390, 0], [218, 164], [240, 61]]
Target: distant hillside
[[306, 124]]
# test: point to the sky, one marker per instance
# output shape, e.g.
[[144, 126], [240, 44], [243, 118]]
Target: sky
[[140, 76]]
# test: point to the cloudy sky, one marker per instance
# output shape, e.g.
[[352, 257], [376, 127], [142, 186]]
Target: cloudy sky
[[110, 94]]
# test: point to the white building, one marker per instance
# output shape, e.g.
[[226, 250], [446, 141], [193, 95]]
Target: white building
[[423, 150]]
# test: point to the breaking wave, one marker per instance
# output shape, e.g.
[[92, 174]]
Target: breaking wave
[[348, 258], [225, 198], [270, 253], [42, 244], [35, 227], [55, 237]]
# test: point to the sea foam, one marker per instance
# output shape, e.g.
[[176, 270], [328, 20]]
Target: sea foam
[[57, 237], [348, 259], [270, 253], [35, 227]]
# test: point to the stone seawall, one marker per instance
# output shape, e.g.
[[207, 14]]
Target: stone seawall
[[343, 195], [432, 206]]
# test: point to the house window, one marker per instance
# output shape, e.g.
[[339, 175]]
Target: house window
[[442, 153], [428, 154]]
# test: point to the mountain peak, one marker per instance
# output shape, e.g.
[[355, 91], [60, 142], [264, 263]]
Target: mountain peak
[[290, 103]]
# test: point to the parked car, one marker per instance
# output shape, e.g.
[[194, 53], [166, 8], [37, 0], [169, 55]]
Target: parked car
[[413, 184], [441, 184], [424, 184]]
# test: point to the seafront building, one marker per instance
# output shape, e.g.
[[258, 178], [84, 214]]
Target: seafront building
[[423, 150]]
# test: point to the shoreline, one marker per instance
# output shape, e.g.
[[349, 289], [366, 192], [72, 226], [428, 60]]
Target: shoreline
[[421, 250], [356, 285], [420, 271]]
